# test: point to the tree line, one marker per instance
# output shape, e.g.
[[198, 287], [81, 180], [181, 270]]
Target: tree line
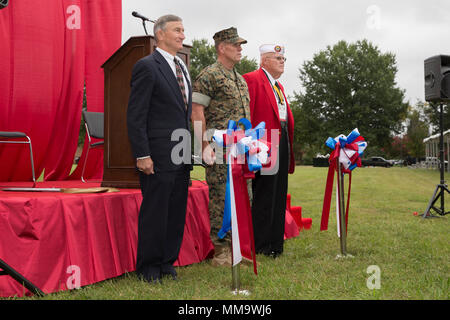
[[347, 86]]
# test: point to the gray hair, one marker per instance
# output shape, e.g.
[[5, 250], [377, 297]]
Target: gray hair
[[161, 23]]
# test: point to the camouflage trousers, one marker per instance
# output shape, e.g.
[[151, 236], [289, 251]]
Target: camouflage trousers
[[216, 177]]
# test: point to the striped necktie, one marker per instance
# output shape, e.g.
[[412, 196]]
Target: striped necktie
[[180, 80], [277, 89]]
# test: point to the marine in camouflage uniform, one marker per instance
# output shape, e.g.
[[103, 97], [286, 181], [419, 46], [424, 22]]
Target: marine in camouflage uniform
[[224, 95]]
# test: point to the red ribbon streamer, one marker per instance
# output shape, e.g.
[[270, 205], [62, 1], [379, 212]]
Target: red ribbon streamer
[[243, 211], [329, 187]]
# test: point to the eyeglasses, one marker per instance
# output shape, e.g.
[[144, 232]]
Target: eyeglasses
[[280, 59]]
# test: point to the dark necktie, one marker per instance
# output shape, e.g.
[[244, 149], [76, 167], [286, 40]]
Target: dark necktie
[[277, 89], [180, 81]]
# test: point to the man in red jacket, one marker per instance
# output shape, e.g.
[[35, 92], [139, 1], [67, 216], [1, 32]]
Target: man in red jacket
[[268, 103]]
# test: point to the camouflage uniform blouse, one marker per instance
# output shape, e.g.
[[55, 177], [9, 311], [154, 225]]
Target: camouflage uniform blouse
[[224, 94]]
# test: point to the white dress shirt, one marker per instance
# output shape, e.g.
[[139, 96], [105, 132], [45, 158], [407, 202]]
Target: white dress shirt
[[282, 109], [169, 58]]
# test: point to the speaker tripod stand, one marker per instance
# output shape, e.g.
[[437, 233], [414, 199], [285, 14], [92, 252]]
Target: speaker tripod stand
[[439, 191], [442, 187]]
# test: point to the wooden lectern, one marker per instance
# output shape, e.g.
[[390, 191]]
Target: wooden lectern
[[119, 164]]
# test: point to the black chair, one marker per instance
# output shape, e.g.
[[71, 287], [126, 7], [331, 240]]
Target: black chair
[[94, 123], [6, 270], [18, 137]]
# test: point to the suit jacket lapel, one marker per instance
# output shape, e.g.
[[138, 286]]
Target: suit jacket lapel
[[189, 85], [170, 78], [269, 91]]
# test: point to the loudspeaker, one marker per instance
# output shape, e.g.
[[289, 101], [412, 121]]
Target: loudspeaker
[[3, 3], [437, 78]]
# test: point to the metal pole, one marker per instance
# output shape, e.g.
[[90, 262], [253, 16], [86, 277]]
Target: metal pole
[[145, 29], [441, 156], [342, 223], [236, 277], [32, 162], [235, 271], [441, 147], [448, 154]]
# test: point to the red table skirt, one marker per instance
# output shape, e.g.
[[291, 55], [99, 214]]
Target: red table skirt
[[60, 240], [56, 239]]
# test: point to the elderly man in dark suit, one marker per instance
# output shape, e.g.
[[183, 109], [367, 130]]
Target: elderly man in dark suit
[[159, 104]]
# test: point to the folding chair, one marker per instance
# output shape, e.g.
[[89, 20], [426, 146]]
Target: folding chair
[[11, 137], [5, 269], [94, 123]]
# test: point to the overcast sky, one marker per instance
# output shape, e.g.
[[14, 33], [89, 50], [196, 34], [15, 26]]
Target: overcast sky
[[413, 30]]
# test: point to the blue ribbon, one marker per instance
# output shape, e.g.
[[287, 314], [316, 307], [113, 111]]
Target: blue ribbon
[[226, 222], [253, 163], [255, 133], [344, 140]]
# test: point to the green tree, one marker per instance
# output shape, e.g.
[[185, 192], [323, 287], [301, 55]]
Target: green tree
[[204, 54], [432, 111], [246, 65], [417, 130], [398, 149], [348, 86]]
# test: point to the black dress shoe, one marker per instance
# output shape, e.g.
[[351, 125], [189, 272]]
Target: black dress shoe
[[264, 251], [151, 280], [169, 270], [155, 280], [275, 254], [151, 275]]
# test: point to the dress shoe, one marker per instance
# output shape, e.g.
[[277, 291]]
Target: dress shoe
[[275, 254], [266, 252], [169, 270], [155, 281], [152, 280], [150, 274]]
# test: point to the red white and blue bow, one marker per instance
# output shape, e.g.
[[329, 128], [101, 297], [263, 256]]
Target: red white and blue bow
[[348, 150], [241, 144], [244, 143]]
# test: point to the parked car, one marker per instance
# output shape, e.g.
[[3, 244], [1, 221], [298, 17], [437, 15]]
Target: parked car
[[399, 162], [435, 161], [376, 162]]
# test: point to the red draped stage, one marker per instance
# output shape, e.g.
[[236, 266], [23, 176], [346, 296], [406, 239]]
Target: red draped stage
[[45, 236], [49, 51], [51, 237]]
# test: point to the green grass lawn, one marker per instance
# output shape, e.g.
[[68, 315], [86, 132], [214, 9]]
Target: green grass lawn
[[412, 253]]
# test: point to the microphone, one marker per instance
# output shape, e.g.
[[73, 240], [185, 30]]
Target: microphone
[[138, 15]]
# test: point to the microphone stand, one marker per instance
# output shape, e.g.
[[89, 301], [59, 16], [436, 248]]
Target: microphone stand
[[137, 15], [145, 29]]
